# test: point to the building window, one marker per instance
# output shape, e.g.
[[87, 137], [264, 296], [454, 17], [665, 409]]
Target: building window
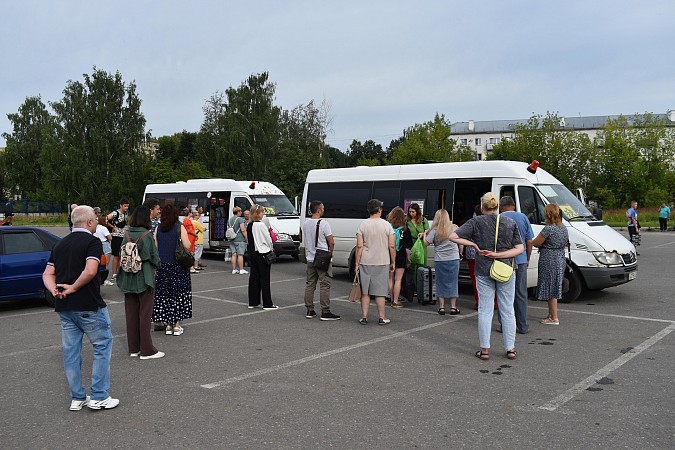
[[477, 141], [479, 156], [463, 141], [494, 140]]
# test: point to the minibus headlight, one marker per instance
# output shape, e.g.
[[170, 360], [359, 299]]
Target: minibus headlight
[[284, 237], [608, 258]]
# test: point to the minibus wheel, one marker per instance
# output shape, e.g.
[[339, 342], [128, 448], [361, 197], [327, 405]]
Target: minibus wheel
[[572, 286]]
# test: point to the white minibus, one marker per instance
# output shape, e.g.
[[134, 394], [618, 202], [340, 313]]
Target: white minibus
[[600, 256], [218, 196]]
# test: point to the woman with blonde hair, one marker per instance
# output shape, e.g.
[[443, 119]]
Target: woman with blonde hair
[[446, 260], [551, 269], [238, 244], [402, 244], [492, 243]]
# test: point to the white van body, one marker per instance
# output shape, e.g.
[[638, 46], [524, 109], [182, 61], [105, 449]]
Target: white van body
[[219, 196], [600, 256]]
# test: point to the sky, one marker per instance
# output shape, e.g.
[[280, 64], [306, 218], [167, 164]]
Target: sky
[[382, 66]]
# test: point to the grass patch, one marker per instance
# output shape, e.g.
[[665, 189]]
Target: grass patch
[[648, 217], [60, 220]]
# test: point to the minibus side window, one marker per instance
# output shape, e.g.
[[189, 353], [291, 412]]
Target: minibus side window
[[389, 193], [507, 191], [531, 204], [243, 203], [346, 200]]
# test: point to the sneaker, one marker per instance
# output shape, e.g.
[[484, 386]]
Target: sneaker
[[108, 283], [269, 308], [363, 321], [114, 276], [235, 271], [108, 403], [310, 314], [169, 331], [243, 272], [329, 316], [177, 331], [383, 321], [76, 405], [155, 356], [255, 306], [133, 355]]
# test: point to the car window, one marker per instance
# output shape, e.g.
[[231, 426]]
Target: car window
[[27, 242]]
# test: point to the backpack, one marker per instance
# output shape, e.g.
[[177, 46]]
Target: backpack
[[230, 234], [130, 259], [398, 234]]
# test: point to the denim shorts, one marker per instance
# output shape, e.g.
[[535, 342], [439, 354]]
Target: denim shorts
[[238, 247]]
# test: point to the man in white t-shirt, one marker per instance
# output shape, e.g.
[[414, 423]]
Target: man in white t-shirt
[[324, 242]]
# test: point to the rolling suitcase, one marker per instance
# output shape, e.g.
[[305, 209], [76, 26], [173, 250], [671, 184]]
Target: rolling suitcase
[[408, 285], [426, 289]]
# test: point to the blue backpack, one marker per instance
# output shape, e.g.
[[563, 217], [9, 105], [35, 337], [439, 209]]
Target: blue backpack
[[398, 236]]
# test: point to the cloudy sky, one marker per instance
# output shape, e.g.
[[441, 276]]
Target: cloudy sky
[[382, 65]]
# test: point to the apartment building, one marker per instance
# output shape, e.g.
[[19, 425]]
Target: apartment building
[[482, 136]]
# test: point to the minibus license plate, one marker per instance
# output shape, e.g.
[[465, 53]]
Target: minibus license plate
[[632, 275]]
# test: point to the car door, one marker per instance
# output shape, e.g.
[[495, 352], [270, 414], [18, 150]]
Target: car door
[[22, 261]]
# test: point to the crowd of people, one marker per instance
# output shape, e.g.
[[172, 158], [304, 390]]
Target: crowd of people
[[157, 288]]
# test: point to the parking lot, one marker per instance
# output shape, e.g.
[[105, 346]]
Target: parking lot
[[240, 378]]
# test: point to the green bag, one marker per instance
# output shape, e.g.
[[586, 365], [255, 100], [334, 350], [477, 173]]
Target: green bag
[[418, 254]]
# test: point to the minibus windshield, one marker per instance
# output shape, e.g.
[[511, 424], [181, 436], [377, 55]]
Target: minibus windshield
[[275, 205], [570, 205]]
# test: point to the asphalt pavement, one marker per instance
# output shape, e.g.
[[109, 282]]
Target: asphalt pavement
[[240, 378]]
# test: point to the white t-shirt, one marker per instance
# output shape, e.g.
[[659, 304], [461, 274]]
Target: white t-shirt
[[309, 235], [102, 233]]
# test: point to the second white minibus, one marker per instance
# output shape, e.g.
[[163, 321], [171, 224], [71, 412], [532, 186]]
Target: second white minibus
[[600, 257]]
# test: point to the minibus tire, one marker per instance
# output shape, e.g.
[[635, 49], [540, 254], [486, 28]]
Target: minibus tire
[[573, 280]]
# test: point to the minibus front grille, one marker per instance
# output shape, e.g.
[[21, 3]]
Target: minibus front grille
[[629, 258]]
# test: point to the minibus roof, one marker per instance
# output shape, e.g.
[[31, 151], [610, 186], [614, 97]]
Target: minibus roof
[[216, 185], [468, 169]]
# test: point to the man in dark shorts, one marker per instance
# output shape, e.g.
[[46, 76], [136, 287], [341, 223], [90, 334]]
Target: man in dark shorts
[[118, 219]]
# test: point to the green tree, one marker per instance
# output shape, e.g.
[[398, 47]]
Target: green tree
[[430, 141], [566, 154], [366, 154], [33, 130], [99, 121]]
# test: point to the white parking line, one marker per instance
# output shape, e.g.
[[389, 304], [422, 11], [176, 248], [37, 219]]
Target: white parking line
[[256, 373], [565, 397], [617, 316]]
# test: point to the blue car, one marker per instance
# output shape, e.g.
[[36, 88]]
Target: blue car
[[24, 252]]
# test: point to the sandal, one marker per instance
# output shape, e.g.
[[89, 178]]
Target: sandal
[[397, 305], [177, 331], [482, 356], [169, 330], [511, 354], [441, 311], [454, 311]]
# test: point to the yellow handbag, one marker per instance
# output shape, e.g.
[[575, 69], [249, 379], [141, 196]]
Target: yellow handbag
[[500, 271]]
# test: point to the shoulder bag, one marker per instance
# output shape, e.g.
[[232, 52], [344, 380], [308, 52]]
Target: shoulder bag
[[355, 293], [183, 257], [322, 258], [500, 271], [270, 258]]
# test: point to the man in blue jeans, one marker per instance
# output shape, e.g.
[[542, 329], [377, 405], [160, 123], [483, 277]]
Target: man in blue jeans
[[71, 277], [507, 207]]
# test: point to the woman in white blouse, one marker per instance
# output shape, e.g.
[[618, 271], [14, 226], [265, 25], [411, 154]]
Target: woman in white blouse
[[259, 243]]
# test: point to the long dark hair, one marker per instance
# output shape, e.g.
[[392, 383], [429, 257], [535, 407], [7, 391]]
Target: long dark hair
[[169, 217], [141, 218]]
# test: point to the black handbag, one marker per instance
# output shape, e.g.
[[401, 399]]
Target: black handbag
[[322, 258], [184, 258], [270, 258]]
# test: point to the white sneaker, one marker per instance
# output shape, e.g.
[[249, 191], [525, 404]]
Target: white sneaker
[[133, 355], [76, 405], [243, 271], [235, 271], [155, 356], [108, 283], [108, 403], [271, 308], [114, 276]]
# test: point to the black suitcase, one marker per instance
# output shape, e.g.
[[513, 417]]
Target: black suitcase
[[408, 285], [426, 289]]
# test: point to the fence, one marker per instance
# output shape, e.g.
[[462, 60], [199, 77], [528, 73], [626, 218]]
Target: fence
[[33, 208]]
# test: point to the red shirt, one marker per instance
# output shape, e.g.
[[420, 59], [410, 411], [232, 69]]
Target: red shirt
[[187, 223]]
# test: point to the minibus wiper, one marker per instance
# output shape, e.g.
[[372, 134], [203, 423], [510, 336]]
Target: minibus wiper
[[588, 216]]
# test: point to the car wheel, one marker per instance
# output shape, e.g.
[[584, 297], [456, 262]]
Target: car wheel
[[572, 285]]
